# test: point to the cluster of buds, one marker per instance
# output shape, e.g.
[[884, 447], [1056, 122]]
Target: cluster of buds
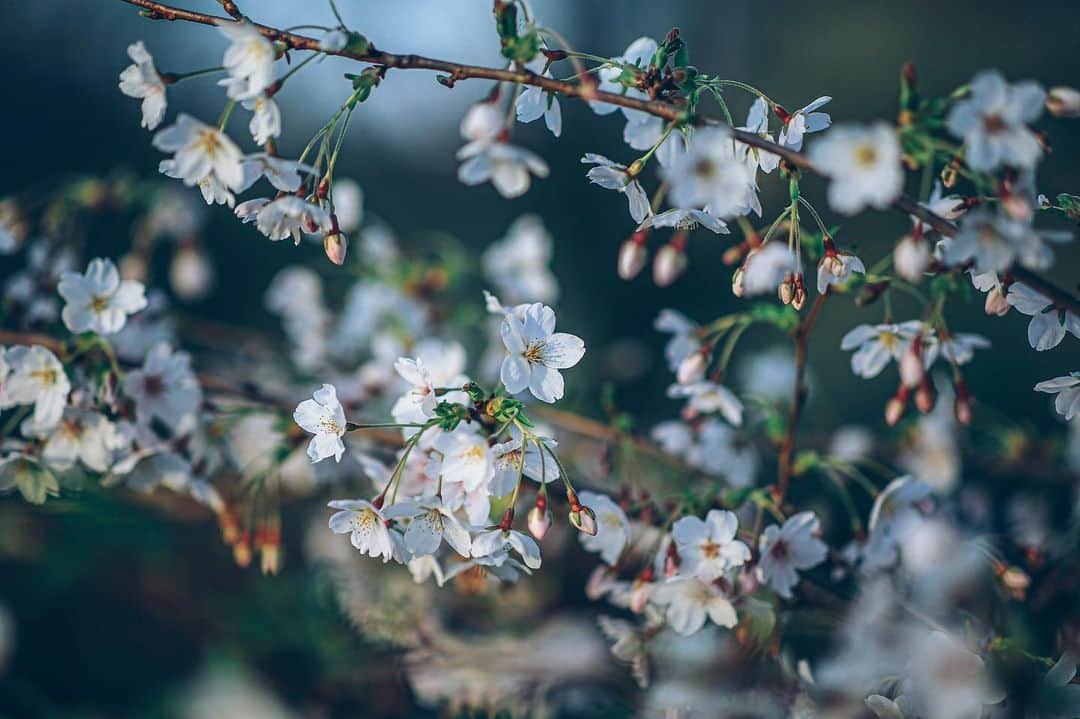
[[792, 290]]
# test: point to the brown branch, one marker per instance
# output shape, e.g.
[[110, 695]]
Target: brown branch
[[230, 7], [801, 338]]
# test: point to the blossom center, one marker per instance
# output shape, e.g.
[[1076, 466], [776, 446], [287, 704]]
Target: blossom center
[[534, 353], [99, 304], [866, 155], [710, 549], [154, 384], [993, 124]]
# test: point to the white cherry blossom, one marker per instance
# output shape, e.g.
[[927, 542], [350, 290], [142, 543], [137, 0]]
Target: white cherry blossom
[[757, 122], [993, 241], [142, 80], [201, 154], [535, 352], [613, 176], [875, 345], [708, 397], [763, 270], [804, 120], [165, 388], [519, 263], [993, 121], [324, 417], [690, 602], [836, 269], [788, 548], [1048, 323], [430, 522], [365, 525], [1067, 389], [36, 377], [249, 60], [612, 527], [708, 548], [81, 435], [466, 458], [493, 542], [863, 166], [99, 301], [638, 54], [486, 157], [265, 118], [534, 102], [711, 174]]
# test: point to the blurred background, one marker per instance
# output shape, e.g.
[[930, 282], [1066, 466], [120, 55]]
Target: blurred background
[[105, 610]]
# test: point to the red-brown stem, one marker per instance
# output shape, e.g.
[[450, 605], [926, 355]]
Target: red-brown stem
[[801, 338]]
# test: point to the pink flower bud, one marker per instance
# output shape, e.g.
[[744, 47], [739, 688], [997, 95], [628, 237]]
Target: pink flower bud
[[894, 408], [632, 256], [539, 521], [911, 258], [924, 397], [786, 290], [640, 592], [584, 520], [336, 246], [1063, 102], [669, 263], [911, 366], [692, 369], [996, 304]]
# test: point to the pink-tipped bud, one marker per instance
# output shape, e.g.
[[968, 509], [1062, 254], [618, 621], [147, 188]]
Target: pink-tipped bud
[[799, 300], [642, 590], [632, 256], [1063, 102], [671, 560], [786, 290], [962, 407], [584, 520], [692, 369], [911, 257], [924, 396], [996, 304], [539, 520], [1018, 207], [336, 246], [669, 262], [894, 408], [911, 366]]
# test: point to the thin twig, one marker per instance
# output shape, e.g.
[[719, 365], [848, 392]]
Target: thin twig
[[801, 338]]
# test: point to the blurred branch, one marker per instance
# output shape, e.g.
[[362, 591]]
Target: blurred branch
[[584, 90], [801, 337]]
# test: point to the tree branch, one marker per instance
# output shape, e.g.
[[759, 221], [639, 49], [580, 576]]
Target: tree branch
[[585, 91]]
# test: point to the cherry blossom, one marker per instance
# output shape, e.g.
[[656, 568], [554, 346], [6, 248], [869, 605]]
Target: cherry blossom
[[430, 522], [99, 301], [613, 176], [487, 157], [804, 120], [863, 164], [249, 60], [711, 174], [790, 547], [690, 602], [534, 102], [324, 417], [142, 80], [36, 377], [612, 527], [993, 119], [1048, 323], [708, 548], [836, 269], [202, 155], [1067, 389], [493, 542], [875, 345], [519, 263], [535, 352], [164, 388], [365, 525]]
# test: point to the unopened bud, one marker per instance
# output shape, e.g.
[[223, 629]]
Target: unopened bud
[[911, 366], [692, 369], [924, 396], [336, 246], [642, 590], [1017, 206], [633, 255], [735, 253], [584, 520], [270, 556], [996, 304], [242, 550], [191, 274], [786, 290], [799, 300], [962, 404], [669, 263], [1063, 102], [539, 520], [738, 286], [894, 408], [911, 257]]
